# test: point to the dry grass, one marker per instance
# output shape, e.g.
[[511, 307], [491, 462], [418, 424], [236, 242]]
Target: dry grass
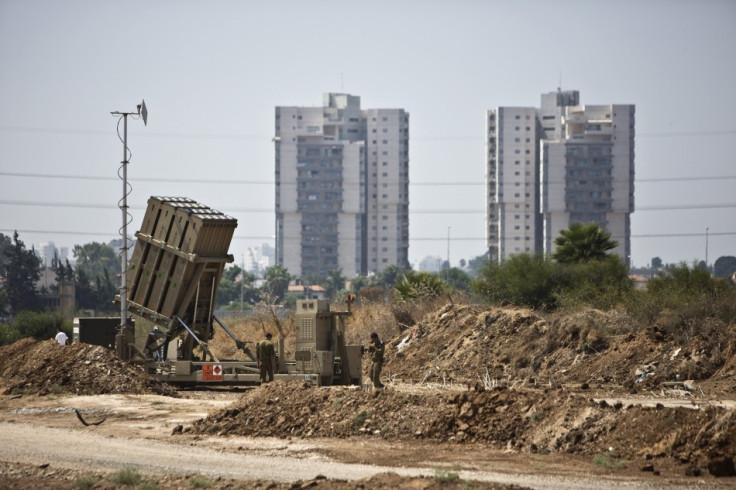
[[250, 329], [384, 319]]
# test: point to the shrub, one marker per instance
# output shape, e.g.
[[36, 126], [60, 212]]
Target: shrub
[[40, 326], [127, 477], [444, 475], [360, 418], [197, 481], [420, 285], [372, 294], [608, 461], [87, 481], [523, 280], [601, 284], [8, 333], [682, 294]]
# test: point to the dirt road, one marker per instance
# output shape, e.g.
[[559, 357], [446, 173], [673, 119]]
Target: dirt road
[[137, 433]]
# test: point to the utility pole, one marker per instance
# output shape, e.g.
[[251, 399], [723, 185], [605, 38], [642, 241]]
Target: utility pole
[[447, 272], [706, 247], [125, 333]]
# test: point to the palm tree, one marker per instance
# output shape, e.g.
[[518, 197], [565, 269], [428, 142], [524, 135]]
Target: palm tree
[[419, 285], [277, 280], [335, 282], [583, 243]]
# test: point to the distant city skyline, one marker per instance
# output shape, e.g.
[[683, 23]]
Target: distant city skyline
[[212, 72]]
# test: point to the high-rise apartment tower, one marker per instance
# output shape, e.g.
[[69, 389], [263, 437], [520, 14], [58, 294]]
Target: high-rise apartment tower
[[342, 187], [555, 165]]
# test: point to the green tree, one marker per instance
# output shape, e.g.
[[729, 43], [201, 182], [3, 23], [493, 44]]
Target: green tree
[[84, 291], [656, 263], [476, 264], [724, 266], [22, 269], [234, 283], [6, 246], [335, 282], [582, 243], [94, 258], [98, 267], [358, 282], [389, 277], [105, 292], [457, 279], [277, 279]]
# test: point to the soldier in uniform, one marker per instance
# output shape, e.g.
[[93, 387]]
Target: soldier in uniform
[[266, 357], [375, 353]]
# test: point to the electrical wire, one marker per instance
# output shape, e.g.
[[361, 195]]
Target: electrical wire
[[84, 205], [480, 183], [419, 239]]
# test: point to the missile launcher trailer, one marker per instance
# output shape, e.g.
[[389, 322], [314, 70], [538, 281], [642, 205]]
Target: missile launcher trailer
[[172, 281]]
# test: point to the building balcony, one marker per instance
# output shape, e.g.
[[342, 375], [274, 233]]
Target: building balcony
[[599, 129]]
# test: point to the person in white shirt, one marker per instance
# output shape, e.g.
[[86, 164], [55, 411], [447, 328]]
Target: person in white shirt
[[61, 338]]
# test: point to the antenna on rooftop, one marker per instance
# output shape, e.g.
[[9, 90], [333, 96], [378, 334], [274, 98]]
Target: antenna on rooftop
[[125, 329]]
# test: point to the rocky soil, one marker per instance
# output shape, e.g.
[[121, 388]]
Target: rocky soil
[[585, 385], [42, 367]]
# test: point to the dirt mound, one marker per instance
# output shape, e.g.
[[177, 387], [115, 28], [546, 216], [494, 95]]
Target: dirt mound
[[512, 347], [543, 421], [44, 367]]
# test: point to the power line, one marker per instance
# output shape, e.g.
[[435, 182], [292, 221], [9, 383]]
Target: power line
[[268, 137], [418, 239], [11, 202], [271, 183]]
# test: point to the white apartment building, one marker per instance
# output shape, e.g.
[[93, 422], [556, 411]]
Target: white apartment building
[[342, 187], [552, 166]]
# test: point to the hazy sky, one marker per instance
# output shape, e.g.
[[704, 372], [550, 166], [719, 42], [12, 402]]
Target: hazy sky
[[212, 72]]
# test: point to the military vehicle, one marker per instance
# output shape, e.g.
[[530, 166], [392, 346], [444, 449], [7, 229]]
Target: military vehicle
[[176, 266]]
